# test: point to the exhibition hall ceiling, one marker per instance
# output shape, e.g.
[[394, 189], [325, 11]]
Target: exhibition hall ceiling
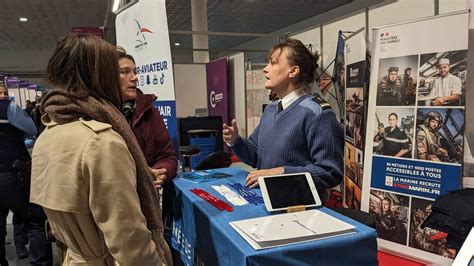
[[50, 19]]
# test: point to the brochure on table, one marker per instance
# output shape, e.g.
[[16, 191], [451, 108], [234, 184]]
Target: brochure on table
[[290, 228]]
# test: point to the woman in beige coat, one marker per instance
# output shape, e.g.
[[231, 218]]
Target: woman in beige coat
[[88, 172]]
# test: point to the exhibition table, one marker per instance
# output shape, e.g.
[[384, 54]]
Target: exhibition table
[[202, 234]]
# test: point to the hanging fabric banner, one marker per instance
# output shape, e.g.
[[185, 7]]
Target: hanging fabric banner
[[142, 29], [355, 102], [13, 85], [415, 129], [218, 89], [23, 88], [338, 76]]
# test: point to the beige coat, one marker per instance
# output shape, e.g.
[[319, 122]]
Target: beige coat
[[84, 178]]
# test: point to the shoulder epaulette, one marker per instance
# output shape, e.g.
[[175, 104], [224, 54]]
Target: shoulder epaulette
[[319, 100]]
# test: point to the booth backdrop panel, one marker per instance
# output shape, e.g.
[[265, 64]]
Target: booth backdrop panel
[[400, 190], [218, 89]]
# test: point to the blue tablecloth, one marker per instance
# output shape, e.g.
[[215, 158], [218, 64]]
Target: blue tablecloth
[[201, 233]]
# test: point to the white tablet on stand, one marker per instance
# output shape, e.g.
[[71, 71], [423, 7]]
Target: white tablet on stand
[[289, 192]]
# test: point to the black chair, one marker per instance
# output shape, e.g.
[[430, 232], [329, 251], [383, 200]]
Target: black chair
[[218, 159], [357, 215], [187, 151]]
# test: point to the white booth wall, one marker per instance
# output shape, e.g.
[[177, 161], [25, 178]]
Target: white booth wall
[[190, 88], [237, 92]]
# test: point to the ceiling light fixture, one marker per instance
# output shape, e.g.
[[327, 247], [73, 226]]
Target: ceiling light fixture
[[176, 44], [23, 19], [115, 6]]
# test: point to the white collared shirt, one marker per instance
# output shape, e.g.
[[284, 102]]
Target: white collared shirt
[[447, 86], [290, 98]]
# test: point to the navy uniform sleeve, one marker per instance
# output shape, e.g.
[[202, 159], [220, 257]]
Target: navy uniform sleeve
[[21, 120]]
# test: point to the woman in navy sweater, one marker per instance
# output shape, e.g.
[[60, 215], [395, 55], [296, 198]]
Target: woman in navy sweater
[[299, 132]]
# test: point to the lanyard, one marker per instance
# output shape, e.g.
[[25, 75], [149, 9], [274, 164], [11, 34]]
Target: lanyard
[[216, 202], [247, 193]]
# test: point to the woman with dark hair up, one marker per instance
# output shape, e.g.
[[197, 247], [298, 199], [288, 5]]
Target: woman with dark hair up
[[89, 173], [299, 132]]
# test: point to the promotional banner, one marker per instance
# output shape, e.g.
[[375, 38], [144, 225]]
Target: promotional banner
[[218, 89], [12, 84], [415, 130], [355, 103], [142, 30], [24, 94], [24, 84], [338, 76], [32, 92]]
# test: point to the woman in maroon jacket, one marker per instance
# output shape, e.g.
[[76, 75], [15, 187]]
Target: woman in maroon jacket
[[150, 131]]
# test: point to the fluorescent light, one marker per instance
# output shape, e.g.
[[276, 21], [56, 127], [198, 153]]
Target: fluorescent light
[[23, 19], [176, 44], [115, 6]]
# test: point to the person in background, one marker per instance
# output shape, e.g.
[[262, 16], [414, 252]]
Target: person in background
[[423, 88], [297, 133], [36, 115], [20, 237], [388, 91], [448, 88], [29, 107], [150, 131], [88, 172], [17, 133], [395, 141], [408, 88], [386, 222], [428, 140]]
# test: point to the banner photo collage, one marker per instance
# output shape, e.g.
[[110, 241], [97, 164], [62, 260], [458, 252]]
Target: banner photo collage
[[415, 131], [355, 104]]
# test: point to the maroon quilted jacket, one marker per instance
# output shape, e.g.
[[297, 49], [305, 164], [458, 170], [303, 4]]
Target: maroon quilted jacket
[[152, 135]]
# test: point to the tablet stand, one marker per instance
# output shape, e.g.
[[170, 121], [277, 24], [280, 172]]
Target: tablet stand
[[297, 208]]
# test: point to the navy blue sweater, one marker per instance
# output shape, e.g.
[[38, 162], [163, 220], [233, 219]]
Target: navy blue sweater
[[301, 138]]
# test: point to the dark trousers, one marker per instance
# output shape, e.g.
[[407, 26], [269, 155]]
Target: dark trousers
[[20, 232], [16, 200], [167, 210]]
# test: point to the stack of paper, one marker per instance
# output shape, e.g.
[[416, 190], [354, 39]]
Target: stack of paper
[[290, 228]]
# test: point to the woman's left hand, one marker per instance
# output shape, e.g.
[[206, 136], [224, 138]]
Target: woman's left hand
[[252, 178]]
